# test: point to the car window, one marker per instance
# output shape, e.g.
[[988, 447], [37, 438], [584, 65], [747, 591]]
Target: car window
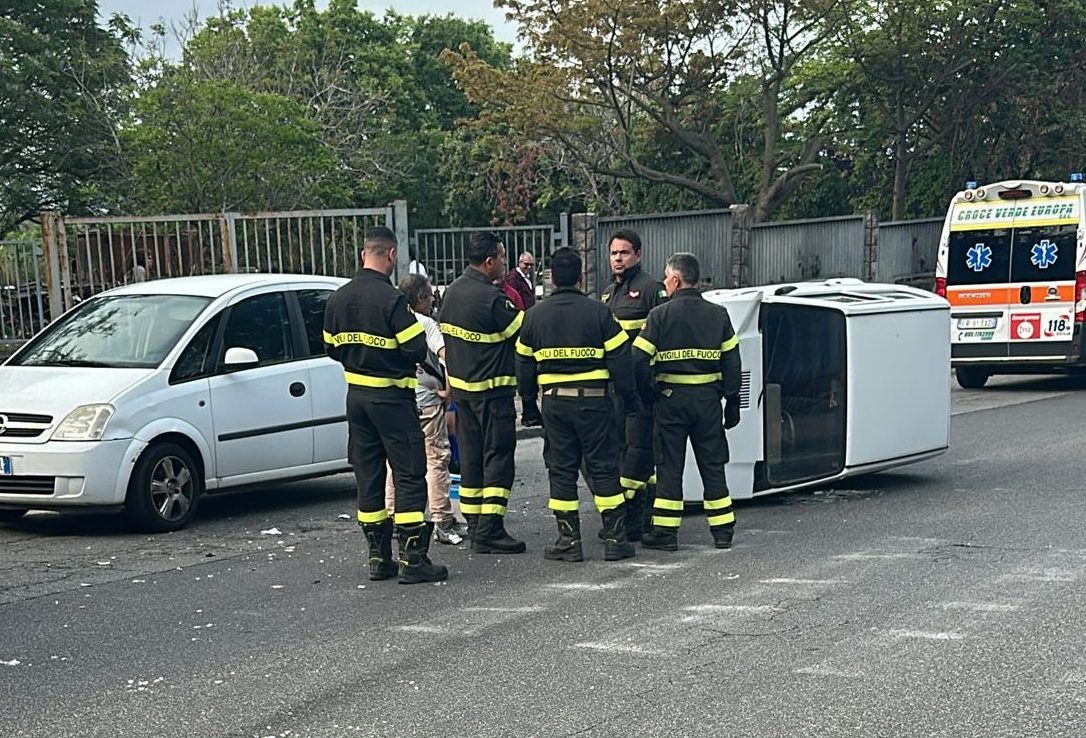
[[312, 303], [260, 323], [197, 359]]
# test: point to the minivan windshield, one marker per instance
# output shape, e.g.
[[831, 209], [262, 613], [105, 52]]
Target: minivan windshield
[[122, 331]]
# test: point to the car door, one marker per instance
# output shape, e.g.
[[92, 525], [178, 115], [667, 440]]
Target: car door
[[329, 386], [263, 412]]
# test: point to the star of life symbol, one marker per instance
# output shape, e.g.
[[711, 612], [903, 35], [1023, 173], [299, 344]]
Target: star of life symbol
[[979, 257], [1044, 254]]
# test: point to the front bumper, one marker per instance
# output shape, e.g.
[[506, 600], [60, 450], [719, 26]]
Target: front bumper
[[68, 474]]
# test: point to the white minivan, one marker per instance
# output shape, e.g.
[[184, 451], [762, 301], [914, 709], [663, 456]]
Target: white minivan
[[149, 394]]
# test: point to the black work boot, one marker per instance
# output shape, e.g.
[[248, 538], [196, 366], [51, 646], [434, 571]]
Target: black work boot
[[616, 546], [415, 564], [568, 545], [662, 539], [722, 535], [491, 537], [635, 516], [379, 538], [473, 523]]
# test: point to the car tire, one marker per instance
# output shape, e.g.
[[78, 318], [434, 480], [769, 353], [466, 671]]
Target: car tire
[[971, 377], [164, 490], [10, 516]]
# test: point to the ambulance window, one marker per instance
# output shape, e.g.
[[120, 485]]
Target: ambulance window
[[979, 257], [1043, 254]]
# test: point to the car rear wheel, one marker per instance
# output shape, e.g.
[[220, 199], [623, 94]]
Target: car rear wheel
[[971, 377], [10, 515], [164, 490]]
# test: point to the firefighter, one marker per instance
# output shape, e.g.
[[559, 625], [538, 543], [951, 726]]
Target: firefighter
[[570, 347], [630, 296], [687, 360], [480, 326], [369, 329]]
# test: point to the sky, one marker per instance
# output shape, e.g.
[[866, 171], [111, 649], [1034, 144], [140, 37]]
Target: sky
[[146, 12]]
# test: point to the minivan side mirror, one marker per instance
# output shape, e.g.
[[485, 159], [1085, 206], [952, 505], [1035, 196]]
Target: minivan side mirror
[[240, 358]]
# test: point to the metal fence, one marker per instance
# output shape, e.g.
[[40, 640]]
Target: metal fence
[[807, 249], [705, 233], [444, 251], [907, 251], [89, 255], [22, 302]]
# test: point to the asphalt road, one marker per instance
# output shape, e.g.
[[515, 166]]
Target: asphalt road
[[944, 599]]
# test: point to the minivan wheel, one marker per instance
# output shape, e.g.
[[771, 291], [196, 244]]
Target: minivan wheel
[[164, 490], [9, 515], [971, 377]]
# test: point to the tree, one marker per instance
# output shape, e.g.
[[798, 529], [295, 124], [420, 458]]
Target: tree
[[63, 85], [211, 146], [607, 80]]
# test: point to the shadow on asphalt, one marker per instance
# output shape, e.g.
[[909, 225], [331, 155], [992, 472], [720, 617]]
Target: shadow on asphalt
[[1032, 383], [846, 490], [254, 502]]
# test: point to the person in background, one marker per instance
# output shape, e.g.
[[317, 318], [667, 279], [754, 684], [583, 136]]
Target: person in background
[[415, 266], [430, 396], [529, 406], [521, 280]]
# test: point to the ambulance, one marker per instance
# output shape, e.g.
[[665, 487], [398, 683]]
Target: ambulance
[[1011, 264]]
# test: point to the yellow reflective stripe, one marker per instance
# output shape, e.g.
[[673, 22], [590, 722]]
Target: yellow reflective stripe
[[410, 332], [363, 339], [470, 509], [628, 483], [689, 378], [633, 325], [494, 492], [578, 377], [483, 385], [661, 503], [377, 516], [718, 504], [562, 505], [615, 341], [470, 492], [407, 518], [492, 510], [715, 520], [603, 504], [522, 349], [630, 494], [568, 352], [689, 353], [471, 336], [645, 345], [729, 344], [364, 380], [652, 478], [663, 522]]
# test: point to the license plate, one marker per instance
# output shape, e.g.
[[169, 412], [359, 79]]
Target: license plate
[[972, 324], [5, 466]]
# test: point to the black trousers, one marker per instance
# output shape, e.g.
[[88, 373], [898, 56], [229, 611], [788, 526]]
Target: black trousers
[[384, 424], [637, 450], [576, 431], [695, 414], [486, 432]]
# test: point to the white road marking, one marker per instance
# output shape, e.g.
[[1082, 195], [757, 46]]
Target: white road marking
[[1041, 576], [827, 671], [527, 609], [618, 648], [875, 556], [926, 635], [786, 580], [732, 608], [978, 606], [585, 585], [420, 628]]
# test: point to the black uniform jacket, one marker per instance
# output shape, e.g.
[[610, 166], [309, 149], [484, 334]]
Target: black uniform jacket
[[570, 339], [688, 341], [368, 329], [480, 326], [632, 297]]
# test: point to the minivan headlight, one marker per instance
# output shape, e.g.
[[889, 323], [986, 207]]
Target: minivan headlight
[[85, 423]]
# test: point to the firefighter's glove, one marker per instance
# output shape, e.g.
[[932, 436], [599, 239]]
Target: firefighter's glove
[[731, 413]]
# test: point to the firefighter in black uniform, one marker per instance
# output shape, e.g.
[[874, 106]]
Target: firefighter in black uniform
[[687, 360], [570, 347], [368, 329], [480, 326], [631, 296]]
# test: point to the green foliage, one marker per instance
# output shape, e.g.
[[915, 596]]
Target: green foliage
[[62, 94]]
